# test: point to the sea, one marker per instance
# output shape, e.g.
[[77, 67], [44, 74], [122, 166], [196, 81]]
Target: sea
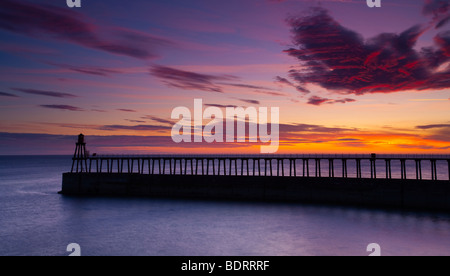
[[37, 221]]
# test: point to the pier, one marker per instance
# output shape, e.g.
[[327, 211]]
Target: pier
[[404, 181], [264, 165]]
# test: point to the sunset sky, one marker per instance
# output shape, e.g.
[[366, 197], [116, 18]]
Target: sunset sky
[[347, 78]]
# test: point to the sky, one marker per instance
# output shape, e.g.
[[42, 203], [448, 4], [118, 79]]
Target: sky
[[346, 78]]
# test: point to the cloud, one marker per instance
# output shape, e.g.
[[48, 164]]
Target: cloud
[[126, 110], [433, 126], [62, 107], [316, 100], [159, 120], [96, 71], [135, 121], [197, 81], [99, 110], [4, 94], [270, 93], [221, 105], [349, 139], [439, 9], [346, 100], [255, 102], [189, 80], [299, 128], [340, 60], [422, 147], [47, 144], [68, 25], [285, 81], [135, 128], [240, 85], [45, 93], [438, 132]]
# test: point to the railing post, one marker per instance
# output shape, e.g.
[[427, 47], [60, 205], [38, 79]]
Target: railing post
[[259, 167], [159, 166], [318, 168], [344, 168], [418, 169], [164, 166], [358, 168], [307, 167], [248, 170], [271, 170], [203, 166], [433, 169], [295, 167], [254, 163], [448, 163], [151, 167], [196, 166], [218, 169], [388, 169], [330, 164], [139, 165], [278, 167], [265, 167], [290, 167], [403, 168]]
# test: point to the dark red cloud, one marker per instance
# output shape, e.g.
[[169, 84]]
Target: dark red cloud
[[45, 93], [189, 80], [62, 107], [340, 60], [69, 25]]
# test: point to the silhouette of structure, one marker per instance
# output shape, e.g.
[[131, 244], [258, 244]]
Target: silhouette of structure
[[250, 165], [264, 177], [80, 156]]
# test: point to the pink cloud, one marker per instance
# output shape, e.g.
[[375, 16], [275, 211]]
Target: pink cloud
[[69, 25]]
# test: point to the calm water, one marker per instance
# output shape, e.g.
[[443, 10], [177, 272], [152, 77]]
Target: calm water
[[35, 220]]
